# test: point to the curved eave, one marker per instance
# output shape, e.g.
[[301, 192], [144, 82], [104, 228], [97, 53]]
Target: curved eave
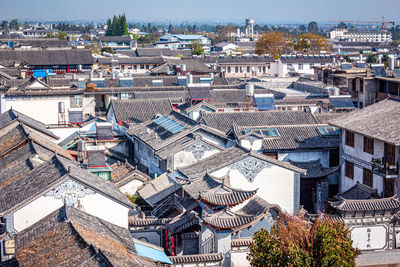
[[228, 204]]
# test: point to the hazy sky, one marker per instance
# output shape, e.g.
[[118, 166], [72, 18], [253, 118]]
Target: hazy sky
[[261, 10]]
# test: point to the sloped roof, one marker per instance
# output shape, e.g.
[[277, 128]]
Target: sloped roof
[[70, 237], [48, 175], [380, 204], [197, 258], [11, 115], [379, 121], [226, 157], [358, 191], [224, 120], [48, 57], [140, 110], [314, 169], [223, 195], [253, 211]]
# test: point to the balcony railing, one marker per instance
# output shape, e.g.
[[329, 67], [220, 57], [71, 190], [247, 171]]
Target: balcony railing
[[382, 167]]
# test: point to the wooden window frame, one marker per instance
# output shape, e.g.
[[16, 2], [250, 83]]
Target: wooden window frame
[[368, 177], [349, 169], [368, 145], [349, 138]]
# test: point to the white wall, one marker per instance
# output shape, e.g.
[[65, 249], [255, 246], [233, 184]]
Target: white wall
[[275, 184], [95, 204], [130, 187], [35, 211], [185, 158], [45, 109]]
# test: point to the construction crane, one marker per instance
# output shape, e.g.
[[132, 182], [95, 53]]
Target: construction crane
[[383, 22]]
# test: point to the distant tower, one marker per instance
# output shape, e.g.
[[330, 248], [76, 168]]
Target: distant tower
[[250, 27]]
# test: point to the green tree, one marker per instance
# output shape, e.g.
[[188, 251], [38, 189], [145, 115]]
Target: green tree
[[371, 59], [4, 24], [109, 28], [115, 30], [124, 25], [313, 27], [107, 49], [14, 24], [294, 241], [342, 25], [197, 49]]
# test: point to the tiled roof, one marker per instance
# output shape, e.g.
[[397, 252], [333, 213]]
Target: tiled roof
[[241, 242], [138, 222], [223, 121], [380, 204], [49, 174], [379, 121], [226, 157], [255, 209], [314, 169], [299, 137], [158, 189], [217, 191], [197, 258], [48, 57], [125, 38], [11, 115], [140, 110], [358, 191], [70, 237], [323, 118]]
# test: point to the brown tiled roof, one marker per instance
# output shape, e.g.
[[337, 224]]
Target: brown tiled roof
[[70, 237], [135, 222], [197, 258]]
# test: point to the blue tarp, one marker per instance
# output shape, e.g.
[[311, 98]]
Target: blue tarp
[[264, 102], [42, 73], [152, 253]]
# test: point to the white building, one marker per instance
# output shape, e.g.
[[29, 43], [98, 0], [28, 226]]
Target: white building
[[361, 36], [370, 147]]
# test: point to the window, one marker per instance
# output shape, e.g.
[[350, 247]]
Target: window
[[248, 69], [368, 178], [229, 69], [349, 139], [349, 169], [78, 99], [368, 145], [300, 66]]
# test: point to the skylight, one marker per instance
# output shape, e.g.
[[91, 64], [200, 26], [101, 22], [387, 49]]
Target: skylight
[[268, 132], [168, 124], [328, 130]]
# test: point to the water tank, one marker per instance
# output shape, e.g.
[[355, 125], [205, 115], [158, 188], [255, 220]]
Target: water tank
[[189, 78], [61, 107], [249, 21], [249, 89], [183, 67]]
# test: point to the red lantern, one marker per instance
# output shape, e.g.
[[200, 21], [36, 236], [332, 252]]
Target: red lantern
[[172, 253], [172, 239], [172, 247], [167, 246]]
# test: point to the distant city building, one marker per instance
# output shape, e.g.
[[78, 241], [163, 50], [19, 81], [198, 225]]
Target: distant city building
[[186, 40], [361, 36]]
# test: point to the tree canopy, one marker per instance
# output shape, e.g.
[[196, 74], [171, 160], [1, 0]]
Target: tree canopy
[[117, 26], [197, 49], [311, 43], [273, 43], [294, 241], [313, 27]]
